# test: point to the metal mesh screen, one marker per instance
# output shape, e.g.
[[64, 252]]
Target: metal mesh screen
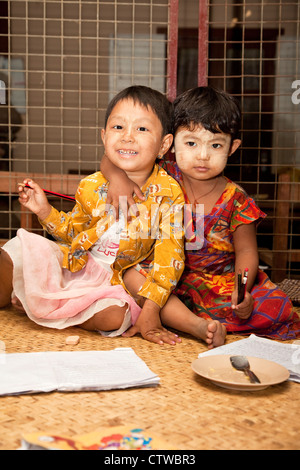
[[254, 53], [251, 49], [60, 63]]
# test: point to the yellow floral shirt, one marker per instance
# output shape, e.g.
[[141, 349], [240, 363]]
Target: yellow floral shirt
[[157, 230]]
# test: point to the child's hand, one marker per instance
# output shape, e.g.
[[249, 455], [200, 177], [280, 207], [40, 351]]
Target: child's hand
[[121, 195], [245, 308], [154, 335], [34, 198], [149, 326]]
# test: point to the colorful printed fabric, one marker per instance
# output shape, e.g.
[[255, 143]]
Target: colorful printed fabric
[[77, 231], [208, 280]]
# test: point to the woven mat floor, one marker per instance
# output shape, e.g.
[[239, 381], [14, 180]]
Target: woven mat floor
[[186, 410]]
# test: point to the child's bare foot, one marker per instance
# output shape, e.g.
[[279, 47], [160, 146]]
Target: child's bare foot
[[216, 334], [176, 315], [212, 332]]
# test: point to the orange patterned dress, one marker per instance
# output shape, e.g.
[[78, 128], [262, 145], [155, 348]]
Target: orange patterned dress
[[208, 279]]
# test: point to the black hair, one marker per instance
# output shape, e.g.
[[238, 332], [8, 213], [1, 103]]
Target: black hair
[[147, 97], [214, 109]]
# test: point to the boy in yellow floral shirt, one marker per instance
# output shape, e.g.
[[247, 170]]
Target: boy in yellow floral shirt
[[137, 129]]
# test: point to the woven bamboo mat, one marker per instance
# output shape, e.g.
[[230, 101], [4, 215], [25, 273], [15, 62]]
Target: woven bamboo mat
[[292, 288], [187, 411]]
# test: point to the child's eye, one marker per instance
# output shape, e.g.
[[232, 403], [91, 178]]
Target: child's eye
[[191, 144], [142, 128], [117, 126], [216, 146]]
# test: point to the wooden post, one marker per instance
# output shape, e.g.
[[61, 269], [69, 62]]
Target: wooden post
[[172, 51], [281, 228], [202, 43]]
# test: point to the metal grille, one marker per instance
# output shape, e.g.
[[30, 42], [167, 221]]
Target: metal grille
[[254, 53], [251, 49], [60, 63]]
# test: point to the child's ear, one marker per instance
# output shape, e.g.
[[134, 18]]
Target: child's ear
[[166, 144], [103, 136], [234, 146]]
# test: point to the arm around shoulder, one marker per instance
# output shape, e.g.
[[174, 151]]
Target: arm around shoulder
[[120, 185]]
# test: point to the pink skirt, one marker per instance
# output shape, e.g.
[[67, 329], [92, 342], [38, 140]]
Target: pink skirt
[[55, 297]]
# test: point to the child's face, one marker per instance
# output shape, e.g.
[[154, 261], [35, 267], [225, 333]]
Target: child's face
[[133, 138], [201, 154]]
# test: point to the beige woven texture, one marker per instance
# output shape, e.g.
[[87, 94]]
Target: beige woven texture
[[188, 411]]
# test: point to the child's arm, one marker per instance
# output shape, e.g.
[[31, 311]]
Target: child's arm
[[119, 185], [149, 326], [246, 256], [64, 226]]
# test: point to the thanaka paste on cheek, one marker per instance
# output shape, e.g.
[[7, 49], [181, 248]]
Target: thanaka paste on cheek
[[182, 162]]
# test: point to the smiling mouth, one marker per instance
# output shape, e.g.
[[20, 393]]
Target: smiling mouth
[[127, 153]]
